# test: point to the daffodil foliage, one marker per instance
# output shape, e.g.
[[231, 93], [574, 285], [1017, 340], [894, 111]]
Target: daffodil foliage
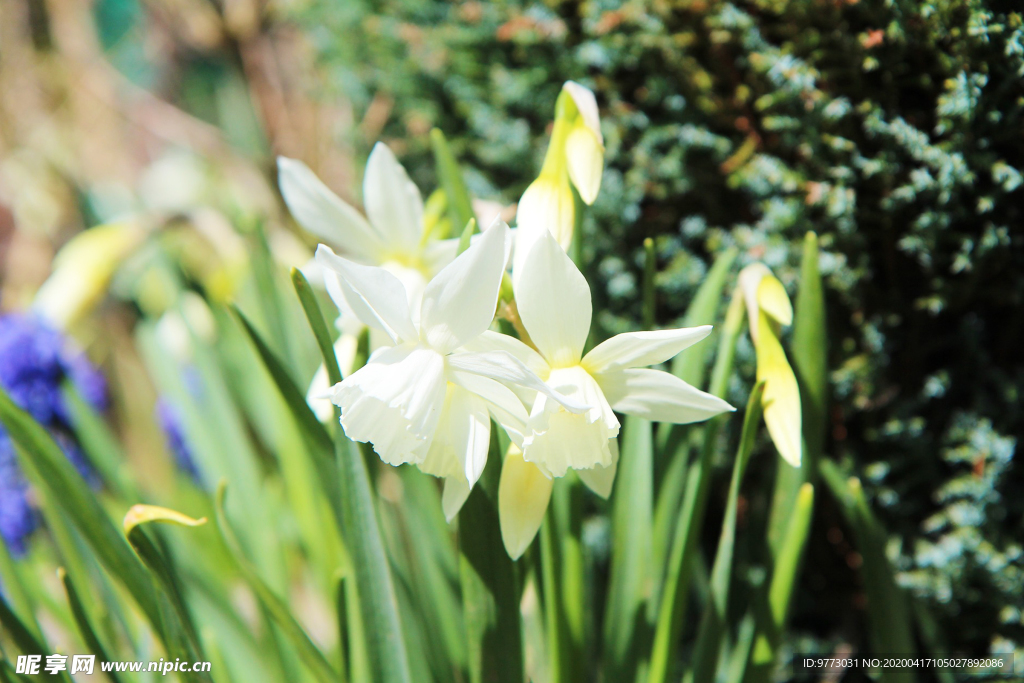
[[477, 484]]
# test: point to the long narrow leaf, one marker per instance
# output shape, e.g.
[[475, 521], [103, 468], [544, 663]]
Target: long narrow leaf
[[85, 628], [377, 601], [22, 636], [772, 625], [888, 614], [315, 317], [675, 588], [631, 551], [713, 624], [45, 464], [460, 206], [275, 607]]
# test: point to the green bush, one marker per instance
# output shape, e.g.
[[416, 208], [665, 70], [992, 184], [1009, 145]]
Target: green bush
[[892, 129]]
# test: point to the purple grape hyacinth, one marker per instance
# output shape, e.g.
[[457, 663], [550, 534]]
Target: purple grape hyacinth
[[170, 420], [35, 359]]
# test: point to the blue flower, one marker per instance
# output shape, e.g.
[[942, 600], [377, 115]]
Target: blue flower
[[171, 423], [35, 360]]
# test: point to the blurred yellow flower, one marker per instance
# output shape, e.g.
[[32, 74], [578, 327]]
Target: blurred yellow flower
[[82, 271]]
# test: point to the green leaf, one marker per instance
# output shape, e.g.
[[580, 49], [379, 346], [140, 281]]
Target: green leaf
[[433, 563], [460, 205], [275, 607], [630, 572], [44, 463], [467, 236], [14, 589], [888, 611], [489, 594], [377, 602], [85, 629], [317, 323], [715, 620], [349, 491], [690, 365], [675, 588], [772, 622], [99, 444], [22, 636], [809, 349], [180, 633], [272, 307], [286, 385]]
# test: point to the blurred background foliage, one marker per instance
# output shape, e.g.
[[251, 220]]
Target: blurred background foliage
[[892, 129]]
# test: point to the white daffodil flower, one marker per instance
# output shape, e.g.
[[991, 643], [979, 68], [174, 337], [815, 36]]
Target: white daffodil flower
[[768, 308], [392, 236], [554, 305], [421, 401], [575, 155]]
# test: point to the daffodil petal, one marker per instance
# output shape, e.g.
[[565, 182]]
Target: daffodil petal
[[586, 104], [507, 369], [659, 396], [393, 202], [496, 341], [456, 491], [394, 402], [781, 398], [749, 279], [585, 159], [459, 303], [461, 439], [376, 296], [640, 349], [547, 206], [523, 496], [773, 300], [324, 214], [554, 303], [319, 393], [506, 408], [601, 479]]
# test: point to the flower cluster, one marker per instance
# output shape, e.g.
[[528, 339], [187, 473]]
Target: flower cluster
[[440, 374], [35, 360]]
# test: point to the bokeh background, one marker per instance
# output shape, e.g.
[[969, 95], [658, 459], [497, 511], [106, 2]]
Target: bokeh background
[[893, 129]]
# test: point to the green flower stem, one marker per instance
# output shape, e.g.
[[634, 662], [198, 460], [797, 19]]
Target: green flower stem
[[554, 619], [691, 516], [489, 588], [771, 618], [712, 628], [649, 290], [568, 505]]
